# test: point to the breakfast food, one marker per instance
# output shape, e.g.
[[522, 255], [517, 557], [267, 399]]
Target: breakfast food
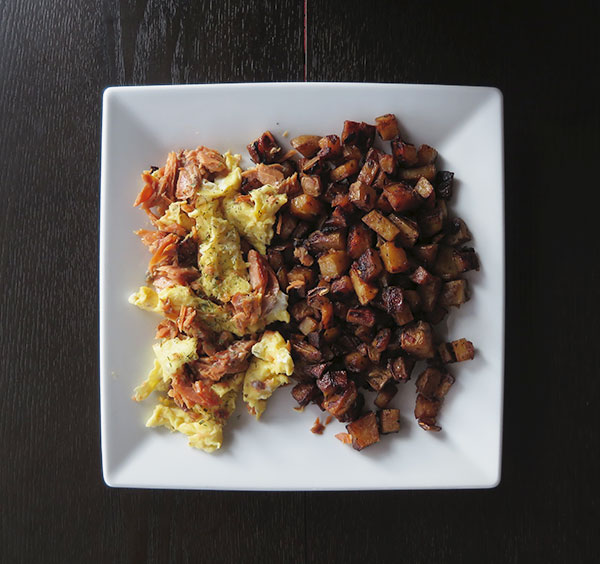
[[216, 295], [330, 263]]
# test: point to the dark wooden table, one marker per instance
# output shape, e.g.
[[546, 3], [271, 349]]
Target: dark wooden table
[[55, 60]]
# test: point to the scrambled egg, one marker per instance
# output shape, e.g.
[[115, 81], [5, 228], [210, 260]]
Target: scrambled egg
[[220, 216], [255, 219], [268, 370]]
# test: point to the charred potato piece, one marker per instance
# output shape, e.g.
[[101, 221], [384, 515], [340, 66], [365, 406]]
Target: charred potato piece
[[369, 265], [368, 173], [387, 127], [342, 286], [443, 184], [394, 257], [427, 409], [356, 362], [404, 153], [378, 377], [361, 316], [365, 291], [305, 207], [463, 350], [381, 225], [362, 196], [401, 368], [383, 205], [306, 351], [413, 174], [360, 134], [432, 221], [333, 264], [417, 340], [429, 293], [331, 148], [359, 240], [396, 306], [305, 392], [426, 253], [306, 145], [428, 382], [286, 225], [264, 149], [301, 276], [364, 431], [349, 168], [387, 164], [420, 276]]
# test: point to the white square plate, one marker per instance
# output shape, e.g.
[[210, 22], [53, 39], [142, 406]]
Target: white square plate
[[140, 126]]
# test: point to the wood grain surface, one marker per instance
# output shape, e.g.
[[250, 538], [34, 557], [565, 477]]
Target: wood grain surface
[[55, 60]]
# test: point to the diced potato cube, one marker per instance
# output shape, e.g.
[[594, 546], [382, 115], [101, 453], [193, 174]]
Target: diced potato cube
[[365, 292], [311, 185], [359, 240], [369, 265], [426, 253], [342, 286], [424, 188], [362, 196], [333, 264], [417, 340], [308, 325], [394, 257], [454, 293], [429, 294], [364, 431], [387, 127], [401, 196], [331, 148], [344, 170], [432, 221], [387, 164], [389, 420], [409, 229], [458, 233], [404, 153], [306, 145], [426, 155], [319, 242], [381, 225], [413, 174], [369, 171], [426, 408], [385, 395], [463, 350], [305, 207]]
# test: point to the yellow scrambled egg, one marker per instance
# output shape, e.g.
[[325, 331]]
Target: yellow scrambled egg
[[268, 370], [221, 216]]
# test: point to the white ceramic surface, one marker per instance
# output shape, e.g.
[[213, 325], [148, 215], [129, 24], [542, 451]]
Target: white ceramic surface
[[140, 126]]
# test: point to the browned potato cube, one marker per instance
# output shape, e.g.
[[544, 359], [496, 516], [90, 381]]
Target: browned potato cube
[[409, 229], [361, 316], [385, 395], [437, 315], [389, 420], [350, 133], [382, 339], [446, 353], [333, 264], [351, 152], [365, 292], [424, 188], [417, 340], [413, 174], [421, 276], [311, 185], [285, 225], [404, 153], [362, 196], [458, 233], [364, 431], [426, 155], [429, 294], [381, 225], [463, 350], [264, 149], [427, 408], [401, 197], [311, 166], [428, 382], [426, 253], [306, 145], [300, 310], [378, 377], [454, 293], [402, 368], [369, 171], [306, 351], [432, 221], [342, 286], [413, 299], [304, 393], [451, 262], [356, 362], [387, 164], [345, 170], [340, 403], [383, 204], [331, 148], [359, 240], [387, 127], [319, 242], [303, 275], [445, 385], [381, 181], [305, 207], [394, 257], [282, 277], [369, 265], [395, 304], [308, 325]]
